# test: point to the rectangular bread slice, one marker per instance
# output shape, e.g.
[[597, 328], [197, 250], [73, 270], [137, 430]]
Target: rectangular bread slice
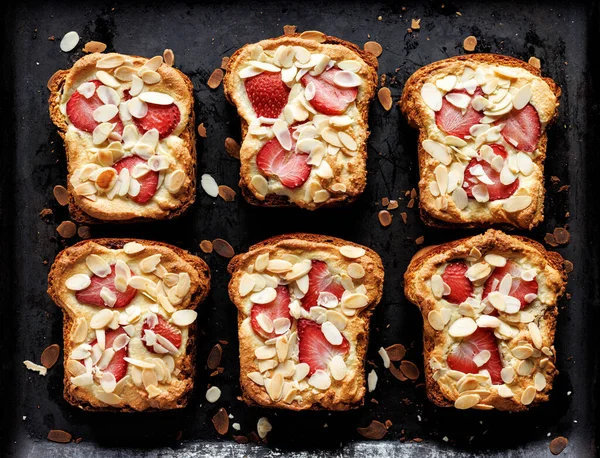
[[128, 127], [304, 103], [489, 306], [304, 304], [129, 323], [482, 121]]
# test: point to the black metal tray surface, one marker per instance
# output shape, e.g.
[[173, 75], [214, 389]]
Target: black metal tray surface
[[564, 35]]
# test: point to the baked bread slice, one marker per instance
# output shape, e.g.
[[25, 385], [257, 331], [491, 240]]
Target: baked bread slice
[[128, 127], [304, 303], [482, 123], [129, 323], [489, 306], [304, 103]]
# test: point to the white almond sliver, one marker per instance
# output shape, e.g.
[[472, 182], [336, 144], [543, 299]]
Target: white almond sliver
[[524, 163], [372, 381], [431, 96], [320, 380], [184, 318], [209, 185], [460, 197], [213, 394], [157, 98], [78, 282], [462, 327], [384, 357], [107, 79], [458, 100], [133, 247], [481, 358], [346, 79], [522, 97], [517, 203], [87, 89], [282, 133], [352, 252], [438, 151], [137, 108], [108, 96], [495, 260], [101, 132], [97, 265], [446, 83], [350, 65], [331, 333], [69, 41], [105, 113], [338, 368]]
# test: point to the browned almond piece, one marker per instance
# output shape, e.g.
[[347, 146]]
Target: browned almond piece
[[53, 78], [223, 248], [224, 62], [558, 444], [409, 369], [202, 130], [385, 218], [50, 355], [94, 46], [397, 373], [396, 352], [385, 98], [535, 62], [232, 147], [206, 246], [67, 229], [376, 430], [374, 48], [415, 24], [253, 437], [568, 265], [169, 57], [470, 43], [561, 235], [221, 421], [550, 240], [385, 201], [215, 78], [393, 205], [58, 435], [84, 232], [61, 195], [240, 439], [420, 240], [388, 424], [313, 35], [404, 217], [413, 193], [214, 357], [411, 203], [289, 29], [226, 193]]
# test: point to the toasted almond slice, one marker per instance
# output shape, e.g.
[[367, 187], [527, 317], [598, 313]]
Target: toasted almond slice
[[265, 352], [462, 327], [213, 394], [313, 35], [528, 395], [157, 98], [78, 282], [184, 318], [101, 319], [539, 381], [466, 401], [438, 151], [517, 203], [133, 247], [69, 41], [432, 96], [320, 380], [338, 368], [352, 252]]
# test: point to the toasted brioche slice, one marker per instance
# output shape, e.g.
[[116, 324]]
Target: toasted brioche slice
[[489, 306], [304, 103], [141, 163], [304, 303], [129, 323], [482, 123]]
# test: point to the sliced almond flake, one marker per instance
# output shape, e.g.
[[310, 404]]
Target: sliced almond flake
[[435, 320], [148, 264], [438, 151], [347, 79], [481, 358], [101, 319], [35, 367], [478, 271], [150, 77], [87, 89], [528, 395], [213, 394], [462, 327], [338, 368], [539, 381], [517, 203], [467, 401], [458, 100], [525, 368], [69, 41], [460, 198], [78, 282], [174, 181], [536, 335], [352, 252], [157, 98], [524, 163], [446, 83], [320, 380], [183, 318], [507, 374], [331, 333], [137, 108], [505, 392], [384, 357], [101, 132], [431, 96], [495, 260]]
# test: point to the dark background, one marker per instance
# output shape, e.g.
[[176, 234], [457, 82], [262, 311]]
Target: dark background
[[564, 35]]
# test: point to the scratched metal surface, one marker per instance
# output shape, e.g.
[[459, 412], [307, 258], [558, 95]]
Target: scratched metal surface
[[561, 34]]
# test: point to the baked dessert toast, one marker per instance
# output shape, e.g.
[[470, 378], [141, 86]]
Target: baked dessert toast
[[128, 127], [129, 323], [489, 306], [482, 121], [304, 101], [304, 303]]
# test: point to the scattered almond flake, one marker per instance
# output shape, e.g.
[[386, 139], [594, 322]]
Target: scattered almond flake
[[561, 235], [374, 48], [470, 43], [313, 35], [215, 78], [224, 62], [420, 240], [385, 98], [69, 41], [169, 57], [236, 426], [413, 193], [213, 394], [50, 355], [240, 439], [392, 205], [376, 430], [60, 436], [415, 24], [263, 427], [385, 218], [226, 193], [535, 62], [411, 203], [66, 229], [568, 265], [409, 369], [384, 357], [209, 185], [404, 217], [202, 130], [223, 248], [558, 444], [372, 381], [289, 29], [206, 246], [214, 357], [550, 240], [385, 201], [221, 421], [94, 46], [84, 232], [35, 367], [388, 424], [61, 195], [564, 188], [397, 373], [396, 352], [232, 147]]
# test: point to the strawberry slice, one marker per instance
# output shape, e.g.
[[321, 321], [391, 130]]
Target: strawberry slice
[[268, 94], [461, 357], [451, 119], [314, 349], [329, 99], [91, 295], [165, 329], [497, 190], [289, 167], [523, 127], [278, 308], [117, 365], [148, 182], [163, 118], [81, 111], [320, 280], [461, 287], [519, 289]]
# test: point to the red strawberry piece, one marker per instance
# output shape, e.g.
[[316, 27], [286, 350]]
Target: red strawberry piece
[[163, 118], [148, 182], [81, 111], [497, 190], [461, 357], [165, 329], [268, 94], [461, 287], [451, 119], [320, 280], [291, 168], [91, 295], [314, 349], [329, 99], [523, 127], [519, 289], [117, 365], [278, 308]]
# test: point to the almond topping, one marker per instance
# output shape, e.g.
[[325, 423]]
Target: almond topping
[[215, 78], [470, 43], [374, 48], [466, 401], [223, 248]]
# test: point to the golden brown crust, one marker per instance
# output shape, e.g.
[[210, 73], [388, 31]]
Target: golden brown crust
[[551, 280], [342, 395], [176, 396], [418, 116], [237, 97], [84, 211]]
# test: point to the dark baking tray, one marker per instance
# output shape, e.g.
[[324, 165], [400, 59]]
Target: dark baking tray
[[564, 35]]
